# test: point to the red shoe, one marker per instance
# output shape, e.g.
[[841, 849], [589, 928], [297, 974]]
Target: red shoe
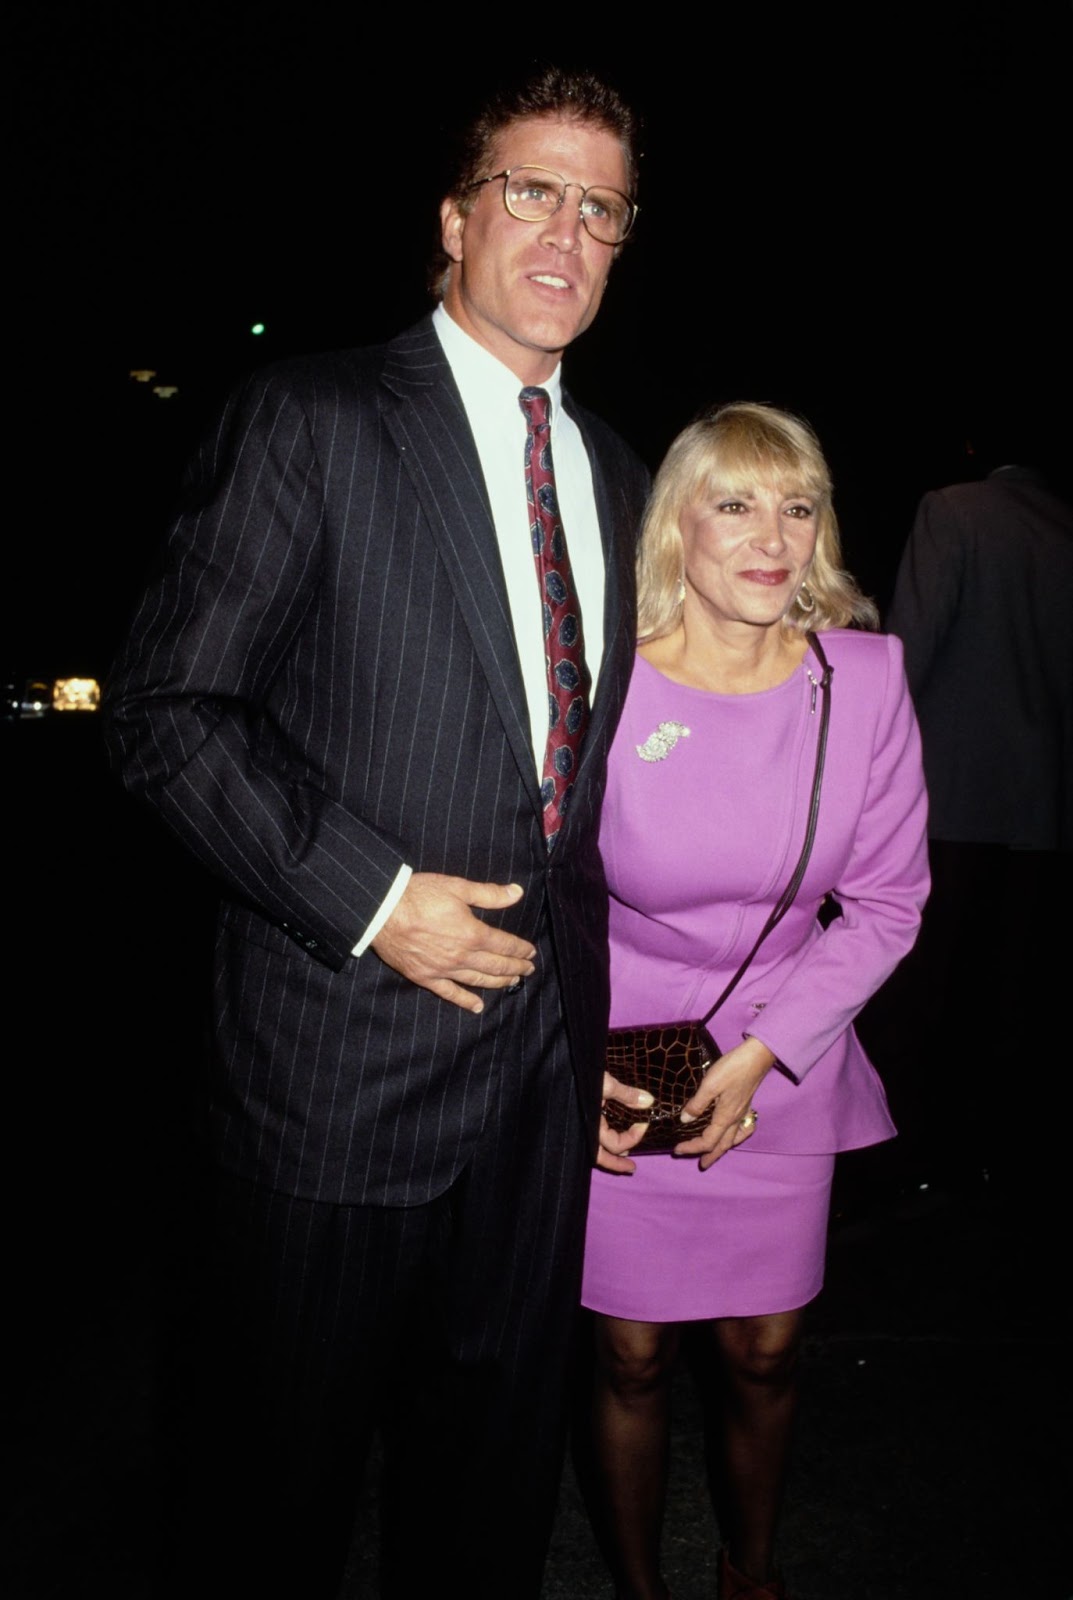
[[733, 1585]]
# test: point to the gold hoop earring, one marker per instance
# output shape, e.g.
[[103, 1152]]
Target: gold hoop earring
[[805, 594]]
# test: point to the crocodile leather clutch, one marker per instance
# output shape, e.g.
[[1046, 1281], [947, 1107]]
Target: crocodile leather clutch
[[668, 1059]]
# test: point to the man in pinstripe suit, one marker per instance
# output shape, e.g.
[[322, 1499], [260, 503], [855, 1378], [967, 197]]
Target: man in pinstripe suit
[[335, 695]]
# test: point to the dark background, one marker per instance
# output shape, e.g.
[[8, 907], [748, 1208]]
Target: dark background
[[860, 215]]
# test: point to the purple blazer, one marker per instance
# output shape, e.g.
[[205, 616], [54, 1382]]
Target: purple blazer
[[699, 843]]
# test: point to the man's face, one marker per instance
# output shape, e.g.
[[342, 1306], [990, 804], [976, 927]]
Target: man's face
[[524, 290]]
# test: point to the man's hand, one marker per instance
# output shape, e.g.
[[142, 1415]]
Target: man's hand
[[613, 1146], [433, 938]]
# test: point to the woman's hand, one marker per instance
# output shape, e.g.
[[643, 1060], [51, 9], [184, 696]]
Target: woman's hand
[[613, 1145], [731, 1082]]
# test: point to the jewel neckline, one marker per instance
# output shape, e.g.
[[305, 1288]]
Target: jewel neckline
[[719, 694]]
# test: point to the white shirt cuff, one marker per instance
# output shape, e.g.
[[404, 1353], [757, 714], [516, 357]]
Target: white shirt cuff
[[387, 906]]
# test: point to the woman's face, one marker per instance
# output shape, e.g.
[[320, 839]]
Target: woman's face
[[746, 552]]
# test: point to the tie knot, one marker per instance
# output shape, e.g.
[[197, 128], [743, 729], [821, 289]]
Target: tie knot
[[536, 404]]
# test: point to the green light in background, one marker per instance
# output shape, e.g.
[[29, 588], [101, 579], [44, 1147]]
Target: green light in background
[[258, 327]]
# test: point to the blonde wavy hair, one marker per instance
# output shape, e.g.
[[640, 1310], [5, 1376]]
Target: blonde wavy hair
[[747, 446]]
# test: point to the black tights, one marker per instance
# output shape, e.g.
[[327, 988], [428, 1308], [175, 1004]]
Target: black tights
[[757, 1357]]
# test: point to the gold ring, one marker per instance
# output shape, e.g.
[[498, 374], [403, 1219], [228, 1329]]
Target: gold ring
[[748, 1122]]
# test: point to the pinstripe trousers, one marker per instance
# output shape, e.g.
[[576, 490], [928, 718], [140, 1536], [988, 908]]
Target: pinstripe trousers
[[446, 1325]]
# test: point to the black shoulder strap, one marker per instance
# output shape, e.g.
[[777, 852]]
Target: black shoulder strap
[[786, 899]]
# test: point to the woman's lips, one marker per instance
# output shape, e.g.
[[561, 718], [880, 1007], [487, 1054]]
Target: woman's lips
[[770, 580]]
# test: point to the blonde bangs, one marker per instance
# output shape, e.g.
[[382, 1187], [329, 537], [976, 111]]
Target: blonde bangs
[[750, 448]]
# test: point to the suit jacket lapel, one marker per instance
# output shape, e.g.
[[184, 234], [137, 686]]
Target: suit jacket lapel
[[424, 414]]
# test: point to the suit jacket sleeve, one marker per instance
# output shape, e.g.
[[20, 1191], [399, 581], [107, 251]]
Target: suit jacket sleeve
[[198, 698], [928, 587], [881, 888]]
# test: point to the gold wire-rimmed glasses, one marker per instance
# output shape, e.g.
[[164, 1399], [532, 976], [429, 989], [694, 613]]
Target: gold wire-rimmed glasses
[[534, 194]]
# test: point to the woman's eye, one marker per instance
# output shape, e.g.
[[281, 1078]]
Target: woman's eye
[[800, 511], [735, 507]]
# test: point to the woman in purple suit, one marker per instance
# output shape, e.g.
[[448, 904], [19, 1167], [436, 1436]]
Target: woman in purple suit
[[707, 805]]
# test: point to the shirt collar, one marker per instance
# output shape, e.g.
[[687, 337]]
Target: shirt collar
[[481, 377]]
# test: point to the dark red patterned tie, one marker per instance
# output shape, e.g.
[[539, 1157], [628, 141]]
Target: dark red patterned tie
[[568, 676]]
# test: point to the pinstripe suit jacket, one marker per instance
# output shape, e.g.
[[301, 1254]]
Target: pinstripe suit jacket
[[323, 685]]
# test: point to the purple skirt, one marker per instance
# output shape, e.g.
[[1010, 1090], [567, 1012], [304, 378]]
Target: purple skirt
[[746, 1238]]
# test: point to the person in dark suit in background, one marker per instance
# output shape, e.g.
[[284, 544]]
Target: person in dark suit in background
[[337, 695], [983, 602]]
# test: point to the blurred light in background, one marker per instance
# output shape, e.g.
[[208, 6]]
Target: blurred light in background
[[76, 694]]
